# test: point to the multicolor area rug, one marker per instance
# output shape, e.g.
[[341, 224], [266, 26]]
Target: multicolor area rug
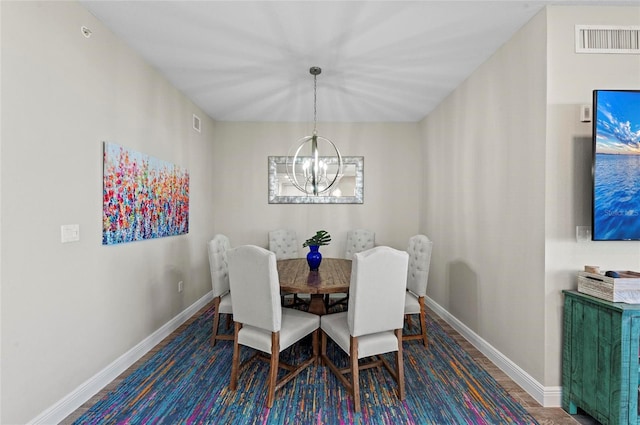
[[186, 382]]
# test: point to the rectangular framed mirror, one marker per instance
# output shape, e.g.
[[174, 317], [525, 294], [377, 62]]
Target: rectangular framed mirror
[[349, 190]]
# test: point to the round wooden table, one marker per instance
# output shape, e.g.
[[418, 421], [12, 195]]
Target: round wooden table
[[332, 277]]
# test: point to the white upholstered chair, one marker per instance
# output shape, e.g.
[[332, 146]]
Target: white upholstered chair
[[373, 323], [419, 250], [260, 321], [284, 243], [217, 248], [359, 240]]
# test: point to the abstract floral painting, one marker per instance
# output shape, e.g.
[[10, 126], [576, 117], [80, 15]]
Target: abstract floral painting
[[143, 197]]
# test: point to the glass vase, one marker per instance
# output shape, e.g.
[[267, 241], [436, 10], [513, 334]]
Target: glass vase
[[314, 257]]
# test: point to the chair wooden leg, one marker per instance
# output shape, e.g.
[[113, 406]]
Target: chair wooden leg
[[323, 348], [400, 365], [216, 320], [423, 321], [315, 346], [355, 375], [408, 317], [422, 335], [273, 370], [236, 357]]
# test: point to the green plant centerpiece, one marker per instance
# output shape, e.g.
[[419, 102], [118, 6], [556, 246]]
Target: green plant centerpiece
[[314, 257], [322, 237]]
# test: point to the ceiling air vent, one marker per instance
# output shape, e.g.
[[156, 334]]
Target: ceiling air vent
[[607, 39]]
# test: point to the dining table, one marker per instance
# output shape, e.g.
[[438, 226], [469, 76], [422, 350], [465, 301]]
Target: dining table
[[333, 276]]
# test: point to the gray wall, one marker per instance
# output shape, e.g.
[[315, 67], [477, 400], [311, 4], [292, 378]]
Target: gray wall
[[507, 180], [484, 152], [391, 178], [571, 79], [69, 310]]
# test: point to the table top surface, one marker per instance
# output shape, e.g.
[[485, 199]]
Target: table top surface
[[333, 276]]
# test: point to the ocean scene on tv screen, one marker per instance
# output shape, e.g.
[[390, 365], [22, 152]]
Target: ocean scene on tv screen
[[616, 194]]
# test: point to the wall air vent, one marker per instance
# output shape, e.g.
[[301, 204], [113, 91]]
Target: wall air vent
[[607, 39], [196, 123]]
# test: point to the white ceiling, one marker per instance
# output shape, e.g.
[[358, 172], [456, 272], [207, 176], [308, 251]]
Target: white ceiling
[[381, 60]]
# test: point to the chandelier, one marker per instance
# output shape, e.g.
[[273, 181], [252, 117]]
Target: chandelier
[[316, 166]]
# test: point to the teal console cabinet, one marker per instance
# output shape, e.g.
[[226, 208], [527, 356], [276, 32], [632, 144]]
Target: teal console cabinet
[[600, 358]]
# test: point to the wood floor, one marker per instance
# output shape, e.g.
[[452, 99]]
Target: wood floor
[[544, 415]]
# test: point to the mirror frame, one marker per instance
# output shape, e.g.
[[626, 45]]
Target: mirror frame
[[358, 197]]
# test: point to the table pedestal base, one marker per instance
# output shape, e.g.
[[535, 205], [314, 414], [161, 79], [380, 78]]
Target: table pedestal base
[[316, 305]]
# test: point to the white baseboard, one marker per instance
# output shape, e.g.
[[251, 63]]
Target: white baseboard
[[63, 408], [546, 396]]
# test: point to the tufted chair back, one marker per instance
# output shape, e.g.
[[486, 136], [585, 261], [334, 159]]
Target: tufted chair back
[[378, 277], [359, 240], [256, 288], [284, 243], [217, 248], [419, 251]]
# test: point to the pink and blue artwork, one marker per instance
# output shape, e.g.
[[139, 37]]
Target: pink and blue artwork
[[143, 197]]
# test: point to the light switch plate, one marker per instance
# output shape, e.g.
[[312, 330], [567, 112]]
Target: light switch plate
[[70, 233]]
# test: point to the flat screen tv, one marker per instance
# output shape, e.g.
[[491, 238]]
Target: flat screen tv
[[616, 165]]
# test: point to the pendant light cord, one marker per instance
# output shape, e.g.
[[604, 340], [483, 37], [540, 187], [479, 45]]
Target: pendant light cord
[[315, 104]]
